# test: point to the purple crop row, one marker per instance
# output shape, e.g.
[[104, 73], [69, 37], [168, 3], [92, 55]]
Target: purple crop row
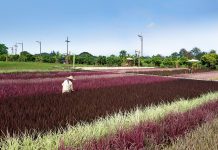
[[45, 112], [28, 89], [149, 134], [32, 75]]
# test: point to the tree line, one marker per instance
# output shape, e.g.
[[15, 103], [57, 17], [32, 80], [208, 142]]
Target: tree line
[[176, 59]]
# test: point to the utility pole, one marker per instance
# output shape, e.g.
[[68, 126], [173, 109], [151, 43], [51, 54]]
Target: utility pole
[[21, 45], [67, 41], [40, 46]]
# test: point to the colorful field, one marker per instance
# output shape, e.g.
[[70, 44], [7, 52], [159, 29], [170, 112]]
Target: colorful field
[[107, 111]]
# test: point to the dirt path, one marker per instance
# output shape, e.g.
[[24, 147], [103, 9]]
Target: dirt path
[[213, 75]]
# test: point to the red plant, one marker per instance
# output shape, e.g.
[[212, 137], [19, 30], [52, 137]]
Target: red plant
[[43, 112], [163, 132], [32, 75], [54, 87]]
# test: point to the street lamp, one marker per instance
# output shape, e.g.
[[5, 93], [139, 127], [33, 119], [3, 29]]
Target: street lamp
[[40, 46], [21, 45], [141, 37]]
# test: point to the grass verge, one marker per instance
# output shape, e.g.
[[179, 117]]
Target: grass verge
[[9, 67]]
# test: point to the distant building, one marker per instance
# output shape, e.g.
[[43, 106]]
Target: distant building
[[129, 61]]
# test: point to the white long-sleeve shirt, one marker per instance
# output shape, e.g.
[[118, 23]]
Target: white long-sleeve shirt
[[67, 86]]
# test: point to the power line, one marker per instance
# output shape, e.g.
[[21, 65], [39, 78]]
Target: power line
[[21, 45]]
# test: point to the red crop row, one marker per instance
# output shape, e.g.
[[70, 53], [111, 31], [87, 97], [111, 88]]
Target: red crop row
[[28, 89], [148, 134], [32, 75], [51, 111]]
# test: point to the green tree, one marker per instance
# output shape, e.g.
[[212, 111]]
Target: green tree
[[26, 56], [175, 55], [196, 53], [183, 61], [184, 53], [210, 60], [146, 61], [85, 58], [212, 51], [3, 49], [58, 57], [168, 62], [38, 58], [102, 60], [123, 56], [3, 57], [157, 60], [46, 57], [13, 57], [113, 61]]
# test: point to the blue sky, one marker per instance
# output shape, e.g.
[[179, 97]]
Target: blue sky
[[104, 27]]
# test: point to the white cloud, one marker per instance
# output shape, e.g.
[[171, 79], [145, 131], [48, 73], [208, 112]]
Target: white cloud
[[150, 25]]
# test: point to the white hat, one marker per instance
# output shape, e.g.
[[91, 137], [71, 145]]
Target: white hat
[[71, 78]]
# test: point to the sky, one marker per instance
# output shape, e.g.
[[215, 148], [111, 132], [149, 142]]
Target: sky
[[104, 27]]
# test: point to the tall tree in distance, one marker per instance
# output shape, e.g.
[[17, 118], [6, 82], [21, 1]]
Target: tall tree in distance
[[3, 49], [195, 52], [175, 55], [212, 51], [184, 53], [123, 55]]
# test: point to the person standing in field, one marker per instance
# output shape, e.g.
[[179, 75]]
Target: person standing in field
[[67, 85]]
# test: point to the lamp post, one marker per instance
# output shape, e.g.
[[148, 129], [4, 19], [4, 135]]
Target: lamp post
[[141, 37], [21, 45], [40, 46]]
